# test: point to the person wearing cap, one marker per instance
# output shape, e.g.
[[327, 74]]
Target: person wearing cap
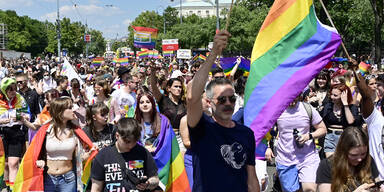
[[122, 98], [14, 112]]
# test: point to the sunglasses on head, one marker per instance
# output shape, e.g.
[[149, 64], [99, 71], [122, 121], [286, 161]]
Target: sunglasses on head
[[223, 99]]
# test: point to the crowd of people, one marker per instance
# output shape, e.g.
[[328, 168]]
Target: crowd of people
[[330, 138]]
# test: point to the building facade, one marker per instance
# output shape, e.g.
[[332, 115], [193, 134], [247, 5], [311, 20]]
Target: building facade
[[202, 8]]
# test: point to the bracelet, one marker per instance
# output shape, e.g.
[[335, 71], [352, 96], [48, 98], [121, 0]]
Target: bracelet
[[346, 105]]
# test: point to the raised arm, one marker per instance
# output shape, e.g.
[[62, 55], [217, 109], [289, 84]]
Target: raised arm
[[194, 105], [366, 96], [153, 81]]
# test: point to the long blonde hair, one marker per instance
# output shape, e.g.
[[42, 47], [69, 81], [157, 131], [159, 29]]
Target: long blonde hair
[[343, 174], [56, 109]]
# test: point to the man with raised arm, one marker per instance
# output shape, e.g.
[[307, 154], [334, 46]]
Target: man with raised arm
[[224, 151]]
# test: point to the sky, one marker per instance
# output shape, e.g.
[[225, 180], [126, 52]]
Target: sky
[[111, 17]]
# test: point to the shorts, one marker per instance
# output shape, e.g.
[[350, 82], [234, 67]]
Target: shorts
[[13, 140], [291, 176], [330, 142]]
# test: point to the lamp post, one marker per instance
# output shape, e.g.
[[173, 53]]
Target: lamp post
[[58, 31], [217, 16], [217, 12], [181, 15], [163, 16]]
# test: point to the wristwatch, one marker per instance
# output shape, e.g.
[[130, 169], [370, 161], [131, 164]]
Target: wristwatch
[[310, 136]]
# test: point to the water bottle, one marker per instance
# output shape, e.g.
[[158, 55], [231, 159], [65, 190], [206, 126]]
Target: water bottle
[[296, 136]]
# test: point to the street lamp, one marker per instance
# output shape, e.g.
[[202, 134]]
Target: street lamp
[[217, 12], [163, 15], [181, 15]]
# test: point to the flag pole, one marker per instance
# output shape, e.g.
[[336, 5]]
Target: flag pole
[[228, 16], [333, 25]]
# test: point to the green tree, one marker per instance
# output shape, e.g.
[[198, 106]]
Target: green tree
[[98, 44], [378, 11]]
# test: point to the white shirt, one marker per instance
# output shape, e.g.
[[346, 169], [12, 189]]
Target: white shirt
[[375, 123]]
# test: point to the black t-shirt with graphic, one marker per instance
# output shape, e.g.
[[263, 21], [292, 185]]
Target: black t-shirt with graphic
[[221, 156], [105, 167], [103, 138]]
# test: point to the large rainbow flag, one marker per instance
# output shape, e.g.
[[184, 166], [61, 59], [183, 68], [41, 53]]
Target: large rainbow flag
[[292, 46], [144, 37], [170, 162], [227, 64]]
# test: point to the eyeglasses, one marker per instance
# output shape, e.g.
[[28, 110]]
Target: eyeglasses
[[223, 99]]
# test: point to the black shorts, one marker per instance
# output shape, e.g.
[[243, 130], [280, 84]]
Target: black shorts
[[13, 140]]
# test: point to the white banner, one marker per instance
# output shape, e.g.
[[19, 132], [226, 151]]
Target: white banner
[[184, 54], [67, 70], [170, 41]]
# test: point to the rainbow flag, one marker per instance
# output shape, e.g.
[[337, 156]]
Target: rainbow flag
[[167, 53], [155, 54], [169, 161], [122, 61], [228, 63], [97, 61], [291, 48], [143, 54], [363, 68], [144, 37], [202, 57]]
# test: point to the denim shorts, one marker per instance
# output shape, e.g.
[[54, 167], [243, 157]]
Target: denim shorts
[[60, 183], [330, 142]]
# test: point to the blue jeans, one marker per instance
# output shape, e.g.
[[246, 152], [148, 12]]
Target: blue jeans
[[60, 183], [330, 142]]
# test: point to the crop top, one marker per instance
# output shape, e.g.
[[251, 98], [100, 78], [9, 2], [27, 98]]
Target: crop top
[[60, 149]]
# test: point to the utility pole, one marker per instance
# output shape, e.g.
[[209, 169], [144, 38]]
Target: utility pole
[[217, 16], [181, 14], [58, 32], [86, 42]]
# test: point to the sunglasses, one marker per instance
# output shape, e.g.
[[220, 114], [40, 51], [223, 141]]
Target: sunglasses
[[223, 99], [20, 82]]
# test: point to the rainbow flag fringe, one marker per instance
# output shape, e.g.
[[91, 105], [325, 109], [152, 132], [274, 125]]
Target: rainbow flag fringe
[[291, 48]]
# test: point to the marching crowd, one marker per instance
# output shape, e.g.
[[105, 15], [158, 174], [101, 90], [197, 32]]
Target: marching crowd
[[330, 138]]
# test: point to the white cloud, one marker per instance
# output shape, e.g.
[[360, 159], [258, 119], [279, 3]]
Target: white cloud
[[82, 12], [8, 4], [127, 22]]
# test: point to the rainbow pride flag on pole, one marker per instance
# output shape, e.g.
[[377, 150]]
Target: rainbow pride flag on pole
[[144, 37], [169, 161], [291, 48], [363, 68], [167, 53], [122, 61], [97, 61], [143, 54]]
